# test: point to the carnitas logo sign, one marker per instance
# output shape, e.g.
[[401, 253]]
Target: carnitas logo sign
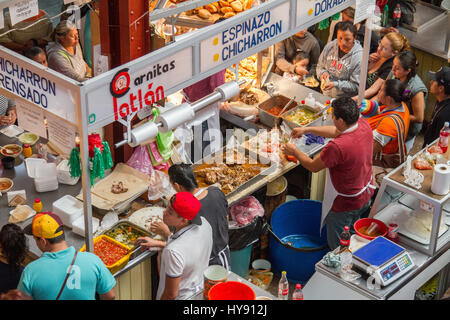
[[131, 95]]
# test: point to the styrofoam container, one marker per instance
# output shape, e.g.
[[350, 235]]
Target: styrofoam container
[[32, 164], [78, 225], [45, 178], [63, 173], [68, 208]]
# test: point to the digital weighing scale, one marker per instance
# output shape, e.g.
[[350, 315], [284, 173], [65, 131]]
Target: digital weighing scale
[[388, 260]]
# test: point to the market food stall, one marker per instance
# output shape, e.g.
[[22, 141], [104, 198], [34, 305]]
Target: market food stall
[[78, 109], [406, 201]]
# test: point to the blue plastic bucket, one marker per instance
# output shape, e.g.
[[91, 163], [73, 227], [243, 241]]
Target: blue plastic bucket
[[297, 222], [240, 260]]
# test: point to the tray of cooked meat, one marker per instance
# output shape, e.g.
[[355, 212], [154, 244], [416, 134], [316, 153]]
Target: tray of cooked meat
[[232, 170]]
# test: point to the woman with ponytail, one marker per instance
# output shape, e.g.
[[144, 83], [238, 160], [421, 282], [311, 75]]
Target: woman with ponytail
[[380, 62], [392, 123], [404, 69], [13, 249]]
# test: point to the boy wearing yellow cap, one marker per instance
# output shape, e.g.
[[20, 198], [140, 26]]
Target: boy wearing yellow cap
[[62, 273]]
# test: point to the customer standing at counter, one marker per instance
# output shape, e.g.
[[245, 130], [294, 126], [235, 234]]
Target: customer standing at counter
[[65, 54], [62, 272], [404, 69], [380, 62], [339, 65], [13, 249], [285, 51], [186, 253], [349, 170], [440, 88]]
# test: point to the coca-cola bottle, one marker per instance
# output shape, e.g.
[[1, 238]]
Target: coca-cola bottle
[[396, 16], [443, 137], [283, 287], [344, 239]]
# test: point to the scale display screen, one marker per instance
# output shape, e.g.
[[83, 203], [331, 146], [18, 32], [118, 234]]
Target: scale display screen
[[393, 269]]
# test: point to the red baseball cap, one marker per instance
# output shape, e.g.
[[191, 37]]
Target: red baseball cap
[[187, 206]]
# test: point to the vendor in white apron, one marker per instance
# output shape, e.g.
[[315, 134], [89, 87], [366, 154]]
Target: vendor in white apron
[[214, 208], [348, 161]]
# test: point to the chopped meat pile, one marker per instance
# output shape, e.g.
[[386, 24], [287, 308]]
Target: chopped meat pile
[[229, 176], [248, 97], [118, 188]]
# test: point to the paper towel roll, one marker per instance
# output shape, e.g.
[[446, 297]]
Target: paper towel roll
[[176, 116], [441, 179]]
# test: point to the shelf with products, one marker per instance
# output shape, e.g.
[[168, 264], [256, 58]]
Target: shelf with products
[[421, 215]]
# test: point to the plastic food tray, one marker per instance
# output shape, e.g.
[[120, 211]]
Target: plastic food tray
[[127, 224], [119, 264]]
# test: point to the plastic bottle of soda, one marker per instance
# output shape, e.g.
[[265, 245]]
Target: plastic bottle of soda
[[344, 238], [443, 137], [283, 287], [298, 293], [397, 14], [384, 21]]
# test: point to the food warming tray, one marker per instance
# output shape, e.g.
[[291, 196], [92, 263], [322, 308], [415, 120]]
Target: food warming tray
[[219, 155], [292, 125]]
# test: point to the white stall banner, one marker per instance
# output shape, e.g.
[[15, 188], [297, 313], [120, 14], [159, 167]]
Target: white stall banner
[[61, 133], [364, 9], [31, 118], [244, 36], [132, 89], [23, 10], [32, 84], [308, 10]]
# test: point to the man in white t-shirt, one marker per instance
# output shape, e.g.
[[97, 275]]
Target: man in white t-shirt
[[186, 253]]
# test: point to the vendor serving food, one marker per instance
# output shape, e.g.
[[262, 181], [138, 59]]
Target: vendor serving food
[[349, 169]]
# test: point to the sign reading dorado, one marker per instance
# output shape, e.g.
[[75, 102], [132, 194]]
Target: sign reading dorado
[[312, 9], [244, 36], [134, 88]]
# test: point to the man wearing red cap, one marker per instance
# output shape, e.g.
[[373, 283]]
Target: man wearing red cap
[[61, 272], [186, 254]]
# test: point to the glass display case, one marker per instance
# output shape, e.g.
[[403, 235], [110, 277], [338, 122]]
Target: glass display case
[[422, 216]]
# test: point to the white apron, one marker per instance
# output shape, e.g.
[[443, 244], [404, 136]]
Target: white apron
[[330, 192]]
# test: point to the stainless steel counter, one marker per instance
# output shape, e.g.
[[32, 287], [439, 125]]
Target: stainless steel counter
[[404, 288], [23, 182], [434, 39]]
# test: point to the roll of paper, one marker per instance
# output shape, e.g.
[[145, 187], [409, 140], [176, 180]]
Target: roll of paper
[[172, 118], [441, 179], [143, 132]]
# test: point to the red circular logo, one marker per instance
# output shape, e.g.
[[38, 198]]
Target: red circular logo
[[120, 83]]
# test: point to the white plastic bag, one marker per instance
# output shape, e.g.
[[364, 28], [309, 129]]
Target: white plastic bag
[[159, 186]]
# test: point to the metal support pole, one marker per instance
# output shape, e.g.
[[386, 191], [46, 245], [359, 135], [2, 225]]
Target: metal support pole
[[365, 60]]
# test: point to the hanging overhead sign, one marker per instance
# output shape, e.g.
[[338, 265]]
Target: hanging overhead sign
[[313, 10], [132, 89], [244, 36], [36, 86]]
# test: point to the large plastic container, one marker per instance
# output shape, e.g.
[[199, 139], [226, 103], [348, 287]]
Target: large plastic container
[[231, 290], [297, 221], [240, 260]]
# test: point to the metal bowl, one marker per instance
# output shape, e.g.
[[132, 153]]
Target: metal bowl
[[269, 119]]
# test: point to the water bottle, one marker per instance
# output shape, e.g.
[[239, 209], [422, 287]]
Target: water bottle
[[397, 16], [346, 264], [310, 100], [443, 137], [344, 238], [298, 293], [385, 17], [283, 287]]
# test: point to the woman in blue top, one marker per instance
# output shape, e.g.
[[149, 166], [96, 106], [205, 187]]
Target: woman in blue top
[[404, 69]]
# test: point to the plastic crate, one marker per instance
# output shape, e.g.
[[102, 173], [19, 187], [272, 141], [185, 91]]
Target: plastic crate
[[119, 264]]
